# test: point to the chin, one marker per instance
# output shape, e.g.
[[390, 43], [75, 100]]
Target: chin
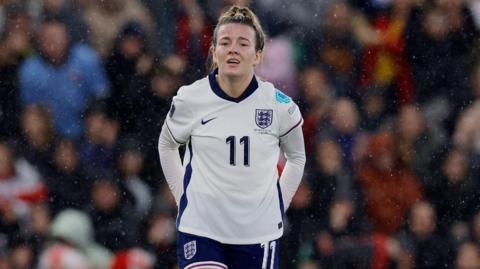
[[231, 73], [234, 72]]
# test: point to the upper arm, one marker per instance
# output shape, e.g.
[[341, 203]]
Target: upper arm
[[289, 114], [179, 121]]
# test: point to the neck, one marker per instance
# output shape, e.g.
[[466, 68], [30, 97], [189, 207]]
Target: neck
[[234, 87]]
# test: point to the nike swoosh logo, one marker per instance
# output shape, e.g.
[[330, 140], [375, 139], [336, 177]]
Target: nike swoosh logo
[[207, 121]]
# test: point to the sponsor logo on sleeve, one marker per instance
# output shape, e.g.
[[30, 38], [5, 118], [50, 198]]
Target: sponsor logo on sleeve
[[281, 97]]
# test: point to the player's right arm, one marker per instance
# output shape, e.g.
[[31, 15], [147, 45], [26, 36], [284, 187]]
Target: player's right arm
[[175, 132]]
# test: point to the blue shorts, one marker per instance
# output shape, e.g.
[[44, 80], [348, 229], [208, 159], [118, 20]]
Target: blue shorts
[[196, 252]]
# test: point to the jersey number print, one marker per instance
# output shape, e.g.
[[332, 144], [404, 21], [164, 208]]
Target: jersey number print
[[245, 141]]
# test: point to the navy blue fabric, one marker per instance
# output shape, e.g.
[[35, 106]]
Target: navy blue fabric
[[186, 181], [220, 93], [280, 198], [233, 256]]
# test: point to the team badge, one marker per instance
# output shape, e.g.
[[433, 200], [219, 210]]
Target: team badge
[[263, 117], [190, 249]]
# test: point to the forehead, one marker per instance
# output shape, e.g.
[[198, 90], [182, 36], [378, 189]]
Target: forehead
[[235, 31]]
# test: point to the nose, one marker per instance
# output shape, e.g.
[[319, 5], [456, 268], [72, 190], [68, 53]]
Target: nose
[[233, 48]]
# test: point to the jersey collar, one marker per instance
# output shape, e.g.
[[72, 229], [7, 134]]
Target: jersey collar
[[220, 93]]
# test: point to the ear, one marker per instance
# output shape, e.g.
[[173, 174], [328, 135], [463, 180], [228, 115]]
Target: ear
[[258, 57], [214, 56]]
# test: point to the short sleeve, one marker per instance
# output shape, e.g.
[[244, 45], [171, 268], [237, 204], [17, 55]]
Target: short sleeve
[[179, 118], [289, 113]]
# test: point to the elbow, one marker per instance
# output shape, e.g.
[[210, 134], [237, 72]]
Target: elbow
[[298, 159]]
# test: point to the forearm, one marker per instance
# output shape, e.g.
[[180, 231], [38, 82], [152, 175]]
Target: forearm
[[171, 163], [294, 149]]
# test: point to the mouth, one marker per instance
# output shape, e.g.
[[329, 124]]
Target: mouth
[[233, 61]]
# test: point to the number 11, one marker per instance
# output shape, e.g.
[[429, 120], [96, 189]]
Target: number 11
[[245, 141]]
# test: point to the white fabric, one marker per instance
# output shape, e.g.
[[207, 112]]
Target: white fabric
[[294, 148], [206, 265], [233, 204], [171, 163]]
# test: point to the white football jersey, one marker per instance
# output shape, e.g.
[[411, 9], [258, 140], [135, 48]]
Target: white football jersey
[[230, 186]]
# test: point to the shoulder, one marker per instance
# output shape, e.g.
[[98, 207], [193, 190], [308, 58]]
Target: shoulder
[[273, 93], [189, 97], [33, 62], [193, 91], [83, 51]]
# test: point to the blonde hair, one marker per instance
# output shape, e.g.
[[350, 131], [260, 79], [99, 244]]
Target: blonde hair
[[242, 15]]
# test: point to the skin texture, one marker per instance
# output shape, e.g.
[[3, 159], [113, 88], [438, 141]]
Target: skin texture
[[236, 57]]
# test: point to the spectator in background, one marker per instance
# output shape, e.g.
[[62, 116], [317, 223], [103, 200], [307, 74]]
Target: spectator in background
[[163, 13], [384, 61], [113, 217], [467, 130], [421, 246], [440, 35], [298, 227], [127, 68], [37, 138], [23, 250], [130, 163], [375, 112], [194, 33], [97, 148], [475, 227], [159, 237], [134, 258], [64, 256], [64, 77], [15, 46], [278, 64], [316, 98], [70, 12], [457, 197], [68, 185], [164, 80], [337, 48], [73, 245], [389, 187], [331, 183], [419, 147], [344, 121], [336, 211], [21, 185], [105, 19], [21, 255], [37, 232], [468, 256]]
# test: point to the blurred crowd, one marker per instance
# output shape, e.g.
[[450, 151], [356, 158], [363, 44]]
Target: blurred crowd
[[389, 91]]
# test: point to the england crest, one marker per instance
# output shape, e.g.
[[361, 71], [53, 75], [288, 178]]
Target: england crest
[[263, 117], [190, 249]]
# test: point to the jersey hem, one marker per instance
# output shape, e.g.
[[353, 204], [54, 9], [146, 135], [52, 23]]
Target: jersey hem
[[233, 241]]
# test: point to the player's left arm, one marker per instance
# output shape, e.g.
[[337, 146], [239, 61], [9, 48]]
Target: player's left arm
[[292, 144]]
